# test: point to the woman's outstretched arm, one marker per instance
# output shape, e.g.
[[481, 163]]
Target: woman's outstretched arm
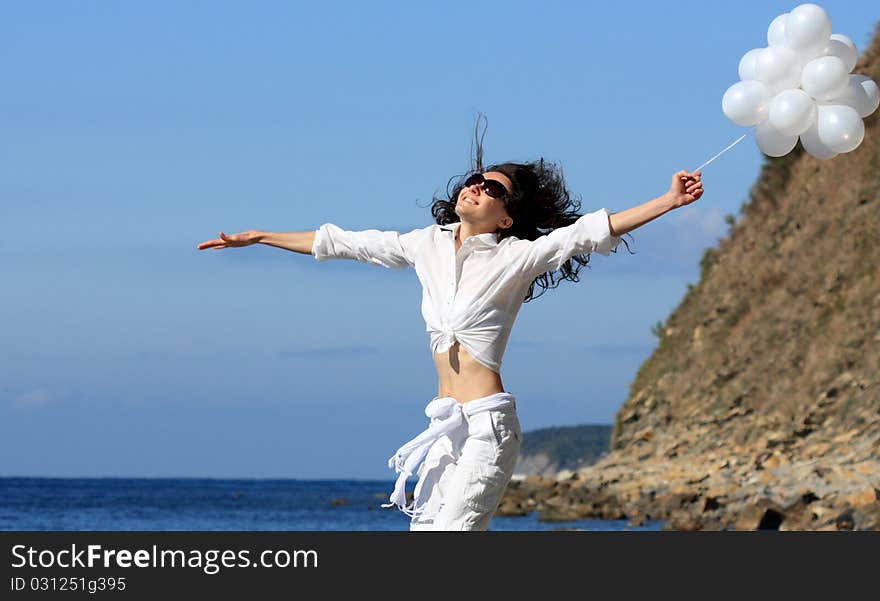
[[389, 249], [600, 230], [300, 242], [685, 189]]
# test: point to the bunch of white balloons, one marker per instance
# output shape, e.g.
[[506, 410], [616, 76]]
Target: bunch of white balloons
[[800, 85]]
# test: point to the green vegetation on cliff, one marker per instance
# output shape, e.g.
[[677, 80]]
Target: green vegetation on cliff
[[560, 448]]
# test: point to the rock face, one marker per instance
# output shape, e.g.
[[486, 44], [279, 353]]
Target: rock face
[[760, 408]]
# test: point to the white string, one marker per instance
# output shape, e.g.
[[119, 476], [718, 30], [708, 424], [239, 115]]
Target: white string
[[726, 149]]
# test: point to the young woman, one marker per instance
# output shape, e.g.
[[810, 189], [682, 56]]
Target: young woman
[[502, 230]]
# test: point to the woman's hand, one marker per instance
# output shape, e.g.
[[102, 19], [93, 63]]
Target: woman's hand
[[685, 189], [243, 239]]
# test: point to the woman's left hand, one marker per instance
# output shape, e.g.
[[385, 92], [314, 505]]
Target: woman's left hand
[[686, 188]]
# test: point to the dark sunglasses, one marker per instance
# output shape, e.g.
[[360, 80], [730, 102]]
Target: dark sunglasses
[[493, 188]]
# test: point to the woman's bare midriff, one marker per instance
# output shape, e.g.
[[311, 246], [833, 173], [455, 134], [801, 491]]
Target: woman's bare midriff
[[460, 376]]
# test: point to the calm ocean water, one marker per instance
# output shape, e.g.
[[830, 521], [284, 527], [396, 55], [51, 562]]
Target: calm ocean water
[[214, 504]]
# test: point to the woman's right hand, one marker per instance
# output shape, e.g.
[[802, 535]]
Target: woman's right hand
[[243, 239]]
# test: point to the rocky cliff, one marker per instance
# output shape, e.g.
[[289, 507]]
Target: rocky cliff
[[760, 408]]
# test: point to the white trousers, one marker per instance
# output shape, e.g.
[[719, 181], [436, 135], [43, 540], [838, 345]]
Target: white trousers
[[470, 451]]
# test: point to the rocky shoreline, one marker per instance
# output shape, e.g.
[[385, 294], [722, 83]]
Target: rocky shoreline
[[791, 479]]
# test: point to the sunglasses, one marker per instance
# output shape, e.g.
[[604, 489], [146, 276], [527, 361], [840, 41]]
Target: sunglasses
[[493, 188]]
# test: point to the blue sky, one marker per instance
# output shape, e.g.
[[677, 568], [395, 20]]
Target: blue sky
[[134, 131]]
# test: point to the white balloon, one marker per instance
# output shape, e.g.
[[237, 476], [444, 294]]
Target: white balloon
[[778, 68], [825, 77], [773, 142], [807, 27], [776, 31], [808, 54], [843, 48], [846, 40], [745, 102], [861, 93], [812, 144], [791, 112], [748, 64], [840, 127]]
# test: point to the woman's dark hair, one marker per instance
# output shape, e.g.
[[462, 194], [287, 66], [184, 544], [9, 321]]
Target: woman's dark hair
[[538, 204]]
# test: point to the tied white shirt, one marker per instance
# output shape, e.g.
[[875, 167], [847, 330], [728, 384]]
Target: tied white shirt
[[447, 417], [473, 295]]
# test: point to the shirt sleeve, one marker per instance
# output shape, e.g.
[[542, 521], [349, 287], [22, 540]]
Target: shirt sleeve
[[386, 248], [590, 233]]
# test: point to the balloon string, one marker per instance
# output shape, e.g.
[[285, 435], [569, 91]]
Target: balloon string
[[726, 149]]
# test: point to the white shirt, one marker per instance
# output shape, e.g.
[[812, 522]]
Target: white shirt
[[447, 419], [472, 296]]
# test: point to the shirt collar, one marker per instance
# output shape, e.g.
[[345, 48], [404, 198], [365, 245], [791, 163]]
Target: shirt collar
[[489, 238]]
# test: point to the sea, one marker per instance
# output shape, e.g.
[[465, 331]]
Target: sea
[[226, 505]]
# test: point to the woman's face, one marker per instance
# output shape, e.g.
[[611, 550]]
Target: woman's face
[[474, 205]]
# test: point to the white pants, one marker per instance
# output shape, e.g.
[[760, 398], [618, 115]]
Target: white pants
[[466, 471]]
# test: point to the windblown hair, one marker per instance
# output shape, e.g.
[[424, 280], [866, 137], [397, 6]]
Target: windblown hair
[[538, 204]]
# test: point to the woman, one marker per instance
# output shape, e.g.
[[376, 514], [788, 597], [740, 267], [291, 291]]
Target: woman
[[501, 230]]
